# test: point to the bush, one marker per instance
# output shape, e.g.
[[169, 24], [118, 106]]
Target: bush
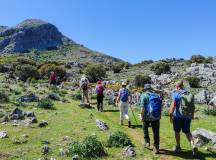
[[160, 67], [165, 112], [77, 96], [117, 67], [210, 111], [24, 60], [26, 71], [140, 80], [89, 148], [193, 81], [119, 139], [200, 59], [4, 97], [95, 72], [45, 103], [45, 70]]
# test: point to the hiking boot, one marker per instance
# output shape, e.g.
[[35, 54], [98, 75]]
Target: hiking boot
[[147, 145], [177, 149], [194, 151], [156, 150], [129, 124]]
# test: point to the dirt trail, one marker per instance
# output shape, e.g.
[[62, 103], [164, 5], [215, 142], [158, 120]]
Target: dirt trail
[[134, 134]]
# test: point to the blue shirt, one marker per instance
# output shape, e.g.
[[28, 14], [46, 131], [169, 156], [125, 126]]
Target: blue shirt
[[176, 97]]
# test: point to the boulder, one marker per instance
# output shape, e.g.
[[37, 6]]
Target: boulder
[[212, 102], [45, 150], [16, 114], [54, 96], [43, 124], [75, 157], [101, 125], [31, 120], [85, 106], [3, 134], [29, 97], [128, 152], [204, 136]]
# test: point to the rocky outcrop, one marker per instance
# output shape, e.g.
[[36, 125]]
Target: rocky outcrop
[[31, 34]]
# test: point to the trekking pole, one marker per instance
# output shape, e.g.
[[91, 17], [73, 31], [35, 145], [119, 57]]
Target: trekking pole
[[133, 114]]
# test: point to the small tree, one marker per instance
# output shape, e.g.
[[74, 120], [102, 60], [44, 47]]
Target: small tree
[[140, 80], [95, 72], [26, 71], [160, 67], [193, 81], [117, 67]]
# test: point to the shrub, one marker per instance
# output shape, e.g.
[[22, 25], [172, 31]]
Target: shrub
[[89, 148], [209, 60], [119, 139], [210, 111], [140, 80], [200, 59], [45, 70], [117, 67], [4, 97], [45, 103], [77, 96], [165, 112], [95, 72], [24, 60], [26, 71], [193, 81], [160, 67]]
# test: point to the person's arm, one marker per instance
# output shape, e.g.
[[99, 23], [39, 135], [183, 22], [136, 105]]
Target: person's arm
[[171, 110], [118, 97]]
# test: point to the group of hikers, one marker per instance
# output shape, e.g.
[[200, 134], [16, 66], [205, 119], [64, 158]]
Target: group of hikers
[[181, 111]]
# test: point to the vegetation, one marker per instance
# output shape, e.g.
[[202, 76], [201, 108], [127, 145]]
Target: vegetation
[[95, 72], [194, 81], [210, 111], [117, 67], [46, 103], [160, 67], [140, 80], [26, 71], [119, 139], [89, 148], [200, 59]]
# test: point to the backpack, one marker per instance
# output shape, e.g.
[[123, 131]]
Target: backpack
[[124, 95], [84, 84], [99, 89], [154, 107], [53, 77], [187, 106]]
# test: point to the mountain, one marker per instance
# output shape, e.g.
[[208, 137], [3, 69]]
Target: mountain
[[45, 38]]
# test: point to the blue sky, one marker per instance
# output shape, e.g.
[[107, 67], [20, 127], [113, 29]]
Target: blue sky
[[133, 30]]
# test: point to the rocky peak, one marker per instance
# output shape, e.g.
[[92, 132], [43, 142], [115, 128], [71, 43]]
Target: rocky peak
[[31, 34]]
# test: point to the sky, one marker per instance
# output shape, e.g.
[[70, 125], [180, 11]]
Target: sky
[[133, 30]]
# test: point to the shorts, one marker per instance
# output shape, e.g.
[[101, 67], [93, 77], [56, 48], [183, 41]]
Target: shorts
[[181, 124], [53, 82]]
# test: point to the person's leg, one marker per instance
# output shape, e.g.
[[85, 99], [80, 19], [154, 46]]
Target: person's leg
[[126, 114], [98, 103], [102, 103], [156, 133], [86, 94], [83, 96], [146, 133], [177, 126], [186, 130], [121, 110]]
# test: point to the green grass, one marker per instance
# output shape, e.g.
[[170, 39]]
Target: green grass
[[69, 120]]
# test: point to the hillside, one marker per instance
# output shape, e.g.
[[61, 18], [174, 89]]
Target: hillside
[[47, 42]]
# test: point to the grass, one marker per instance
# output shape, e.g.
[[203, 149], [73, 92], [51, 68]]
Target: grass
[[69, 120]]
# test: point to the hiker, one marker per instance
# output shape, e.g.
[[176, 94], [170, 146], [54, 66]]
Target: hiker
[[129, 86], [181, 113], [84, 86], [53, 78], [100, 95], [151, 106], [123, 100]]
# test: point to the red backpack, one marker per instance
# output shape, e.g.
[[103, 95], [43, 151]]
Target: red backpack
[[53, 77]]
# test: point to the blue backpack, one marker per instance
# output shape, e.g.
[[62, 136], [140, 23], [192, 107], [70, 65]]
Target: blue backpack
[[124, 95], [154, 107]]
